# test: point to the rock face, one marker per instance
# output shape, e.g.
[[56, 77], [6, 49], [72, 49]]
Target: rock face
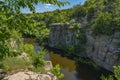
[[48, 66], [62, 35], [104, 50], [30, 76]]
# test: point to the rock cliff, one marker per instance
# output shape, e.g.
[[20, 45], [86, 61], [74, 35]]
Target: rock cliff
[[61, 35], [104, 50]]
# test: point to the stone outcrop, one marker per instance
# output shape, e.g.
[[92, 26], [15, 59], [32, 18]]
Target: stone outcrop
[[62, 35], [30, 76], [104, 50], [48, 66]]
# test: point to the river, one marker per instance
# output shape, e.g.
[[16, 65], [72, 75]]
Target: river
[[69, 68]]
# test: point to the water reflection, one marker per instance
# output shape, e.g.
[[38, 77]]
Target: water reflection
[[63, 61], [67, 66], [73, 71]]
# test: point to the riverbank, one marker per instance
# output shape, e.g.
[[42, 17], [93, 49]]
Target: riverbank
[[81, 62], [71, 66]]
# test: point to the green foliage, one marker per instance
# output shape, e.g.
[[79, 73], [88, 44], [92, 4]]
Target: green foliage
[[80, 34], [79, 12], [42, 34], [90, 13], [117, 72], [57, 16], [36, 58], [70, 49], [74, 25], [38, 69], [116, 75], [102, 24], [28, 48], [110, 77], [116, 24], [3, 50], [15, 63], [56, 71], [11, 20], [88, 62]]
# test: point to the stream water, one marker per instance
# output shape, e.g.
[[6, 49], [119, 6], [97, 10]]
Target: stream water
[[69, 68]]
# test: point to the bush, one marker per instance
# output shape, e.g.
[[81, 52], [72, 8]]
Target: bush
[[110, 77], [116, 74], [28, 48], [56, 71], [38, 59], [102, 24]]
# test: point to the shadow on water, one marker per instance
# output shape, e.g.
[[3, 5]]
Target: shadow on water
[[76, 71], [86, 72]]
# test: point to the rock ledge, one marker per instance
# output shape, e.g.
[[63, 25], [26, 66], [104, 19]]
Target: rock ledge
[[29, 75]]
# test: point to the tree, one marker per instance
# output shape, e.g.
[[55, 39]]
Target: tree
[[12, 19], [102, 24]]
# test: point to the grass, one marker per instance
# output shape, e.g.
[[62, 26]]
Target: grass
[[14, 63]]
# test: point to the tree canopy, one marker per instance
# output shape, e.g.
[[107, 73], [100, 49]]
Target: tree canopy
[[12, 20]]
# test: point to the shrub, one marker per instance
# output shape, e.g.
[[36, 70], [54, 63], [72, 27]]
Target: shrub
[[102, 24], [110, 77], [38, 58], [28, 48], [56, 71], [116, 74]]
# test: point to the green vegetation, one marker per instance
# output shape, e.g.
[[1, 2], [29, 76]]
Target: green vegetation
[[105, 16], [56, 71], [37, 58], [102, 17], [14, 24], [14, 63], [28, 59], [75, 49], [87, 61], [103, 24], [116, 75]]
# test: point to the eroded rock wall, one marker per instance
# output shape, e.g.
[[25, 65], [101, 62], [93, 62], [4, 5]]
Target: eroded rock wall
[[104, 50], [61, 35]]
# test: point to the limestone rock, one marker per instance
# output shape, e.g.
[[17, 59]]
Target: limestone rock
[[30, 76], [104, 50], [48, 65]]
